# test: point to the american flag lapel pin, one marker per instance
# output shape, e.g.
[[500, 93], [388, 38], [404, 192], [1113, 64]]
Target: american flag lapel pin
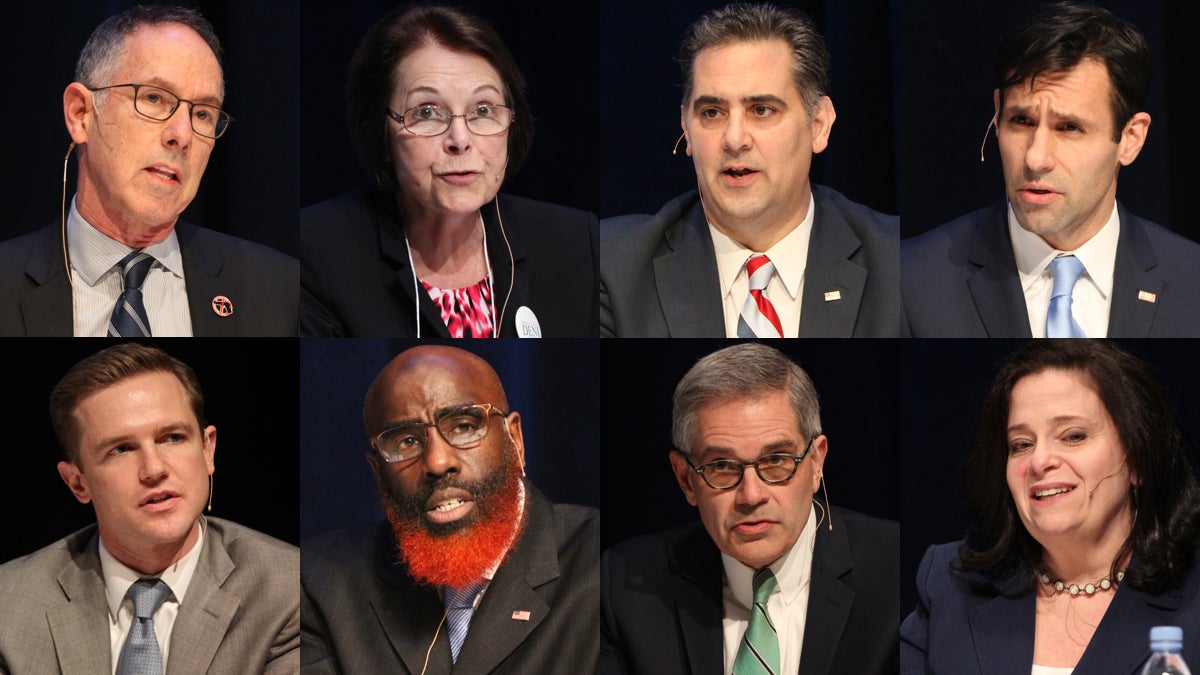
[[520, 615], [830, 296], [1147, 296]]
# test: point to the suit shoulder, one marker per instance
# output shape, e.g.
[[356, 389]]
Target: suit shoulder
[[16, 251], [861, 217], [542, 211], [954, 235], [619, 232], [251, 543], [649, 551], [240, 251]]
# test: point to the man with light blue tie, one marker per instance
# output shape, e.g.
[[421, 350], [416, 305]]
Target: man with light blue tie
[[1062, 258]]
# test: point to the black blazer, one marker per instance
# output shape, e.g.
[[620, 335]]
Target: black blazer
[[262, 283], [357, 281], [960, 280], [957, 629], [661, 606], [361, 613], [658, 274]]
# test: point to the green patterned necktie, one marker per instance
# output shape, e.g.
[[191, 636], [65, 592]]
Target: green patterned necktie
[[759, 651]]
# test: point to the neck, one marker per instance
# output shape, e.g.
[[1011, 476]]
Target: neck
[[761, 231], [443, 242], [1079, 561], [113, 224], [151, 560]]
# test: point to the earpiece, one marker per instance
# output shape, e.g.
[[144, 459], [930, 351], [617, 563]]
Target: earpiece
[[675, 150], [985, 135]]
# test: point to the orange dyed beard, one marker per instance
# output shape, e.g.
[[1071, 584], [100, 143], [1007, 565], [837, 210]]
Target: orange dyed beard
[[456, 554]]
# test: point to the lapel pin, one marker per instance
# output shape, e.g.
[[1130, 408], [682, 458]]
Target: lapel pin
[[521, 615], [222, 305], [830, 296], [1147, 296]]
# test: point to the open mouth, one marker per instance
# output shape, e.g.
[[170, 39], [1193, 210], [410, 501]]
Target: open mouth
[[738, 172], [165, 174], [1051, 492], [159, 498]]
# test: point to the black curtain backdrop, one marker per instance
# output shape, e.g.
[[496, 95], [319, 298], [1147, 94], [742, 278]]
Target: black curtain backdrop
[[249, 189], [552, 383], [641, 88], [944, 61], [250, 397], [554, 44], [944, 384], [857, 382]]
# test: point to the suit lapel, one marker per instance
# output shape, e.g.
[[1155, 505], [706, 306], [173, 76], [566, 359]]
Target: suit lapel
[[687, 280], [394, 247], [202, 266], [1002, 630], [1133, 274], [829, 599], [697, 585], [1121, 642], [503, 270], [833, 285], [995, 286], [79, 629], [48, 309], [206, 610], [409, 615]]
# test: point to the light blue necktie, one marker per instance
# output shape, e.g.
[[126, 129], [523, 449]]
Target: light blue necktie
[[460, 605], [1060, 323], [140, 654]]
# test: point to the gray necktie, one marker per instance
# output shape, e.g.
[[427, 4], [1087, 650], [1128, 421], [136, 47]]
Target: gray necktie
[[129, 318], [460, 605], [141, 655]]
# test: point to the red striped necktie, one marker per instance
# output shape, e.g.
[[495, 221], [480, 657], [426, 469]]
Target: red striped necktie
[[758, 317]]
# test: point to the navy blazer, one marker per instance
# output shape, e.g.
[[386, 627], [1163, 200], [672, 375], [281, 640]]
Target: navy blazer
[[262, 283], [658, 274], [960, 280], [957, 629], [357, 281], [661, 601]]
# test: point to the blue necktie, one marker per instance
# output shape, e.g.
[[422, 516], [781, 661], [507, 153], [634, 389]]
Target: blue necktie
[[140, 655], [460, 605], [1060, 323], [129, 317]]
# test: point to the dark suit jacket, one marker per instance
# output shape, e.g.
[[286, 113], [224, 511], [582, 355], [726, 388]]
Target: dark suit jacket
[[661, 603], [357, 280], [960, 280], [241, 613], [263, 284], [955, 629], [362, 613], [658, 274]]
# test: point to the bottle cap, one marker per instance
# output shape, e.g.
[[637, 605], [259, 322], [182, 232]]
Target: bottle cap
[[1166, 639]]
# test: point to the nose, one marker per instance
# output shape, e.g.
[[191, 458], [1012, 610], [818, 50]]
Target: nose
[[1043, 458], [440, 457], [751, 491], [736, 138], [177, 129], [458, 136], [151, 469], [1039, 155]]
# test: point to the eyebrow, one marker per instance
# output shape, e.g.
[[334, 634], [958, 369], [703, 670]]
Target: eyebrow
[[1010, 110], [111, 441], [428, 89], [745, 100], [1058, 419], [413, 421], [775, 447], [163, 84]]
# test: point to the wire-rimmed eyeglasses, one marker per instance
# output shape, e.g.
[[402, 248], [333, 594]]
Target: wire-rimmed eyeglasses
[[484, 119], [726, 474], [463, 427], [159, 104]]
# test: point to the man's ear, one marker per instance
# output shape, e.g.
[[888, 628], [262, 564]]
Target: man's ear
[[74, 479], [78, 112], [683, 474], [1133, 137], [821, 124]]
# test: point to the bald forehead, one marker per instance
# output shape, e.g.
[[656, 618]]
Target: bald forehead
[[429, 377]]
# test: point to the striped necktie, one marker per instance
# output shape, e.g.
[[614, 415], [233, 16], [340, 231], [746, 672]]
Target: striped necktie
[[758, 317], [460, 605], [129, 317], [1060, 322], [759, 651], [140, 655]]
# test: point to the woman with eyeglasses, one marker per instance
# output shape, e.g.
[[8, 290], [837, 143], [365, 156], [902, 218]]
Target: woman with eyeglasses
[[437, 112]]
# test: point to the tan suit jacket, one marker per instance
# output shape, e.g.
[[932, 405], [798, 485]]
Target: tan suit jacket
[[241, 613]]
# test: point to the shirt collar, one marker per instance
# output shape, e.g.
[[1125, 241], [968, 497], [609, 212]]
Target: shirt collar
[[792, 571], [1097, 254], [789, 255], [93, 254], [118, 576]]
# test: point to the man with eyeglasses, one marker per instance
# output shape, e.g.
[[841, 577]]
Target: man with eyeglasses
[[771, 580], [475, 570], [144, 114]]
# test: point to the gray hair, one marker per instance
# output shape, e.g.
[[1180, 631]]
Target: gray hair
[[749, 370], [98, 59], [745, 22]]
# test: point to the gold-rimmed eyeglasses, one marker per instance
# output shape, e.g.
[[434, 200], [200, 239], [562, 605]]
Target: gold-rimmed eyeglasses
[[463, 427]]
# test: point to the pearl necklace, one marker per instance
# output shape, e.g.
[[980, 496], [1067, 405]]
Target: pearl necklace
[[1075, 589]]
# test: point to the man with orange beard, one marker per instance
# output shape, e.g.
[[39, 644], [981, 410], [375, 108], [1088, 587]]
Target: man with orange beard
[[475, 571]]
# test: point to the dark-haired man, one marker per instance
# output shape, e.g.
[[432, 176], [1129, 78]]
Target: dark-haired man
[[144, 115], [1063, 258], [475, 570], [756, 250]]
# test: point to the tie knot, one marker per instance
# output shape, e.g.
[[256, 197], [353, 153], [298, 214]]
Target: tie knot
[[135, 267], [764, 584], [147, 596], [1066, 270], [462, 598], [760, 269]]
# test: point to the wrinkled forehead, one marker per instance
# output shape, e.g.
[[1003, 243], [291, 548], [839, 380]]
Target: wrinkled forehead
[[422, 380]]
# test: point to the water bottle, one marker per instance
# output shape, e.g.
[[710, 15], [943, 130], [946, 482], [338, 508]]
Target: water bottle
[[1165, 644]]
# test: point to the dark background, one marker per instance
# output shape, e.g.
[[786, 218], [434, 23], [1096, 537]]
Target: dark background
[[944, 60], [857, 382], [249, 188], [944, 384], [552, 383], [250, 397]]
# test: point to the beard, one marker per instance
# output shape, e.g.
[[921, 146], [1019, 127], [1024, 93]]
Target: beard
[[457, 553]]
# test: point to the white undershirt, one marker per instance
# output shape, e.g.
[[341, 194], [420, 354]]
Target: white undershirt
[[1050, 670], [97, 283], [118, 577], [786, 288], [787, 605], [1091, 299]]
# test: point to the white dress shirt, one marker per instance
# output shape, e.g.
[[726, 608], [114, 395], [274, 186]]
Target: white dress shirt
[[98, 283], [785, 290], [118, 578], [787, 605], [1091, 298], [1051, 670]]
